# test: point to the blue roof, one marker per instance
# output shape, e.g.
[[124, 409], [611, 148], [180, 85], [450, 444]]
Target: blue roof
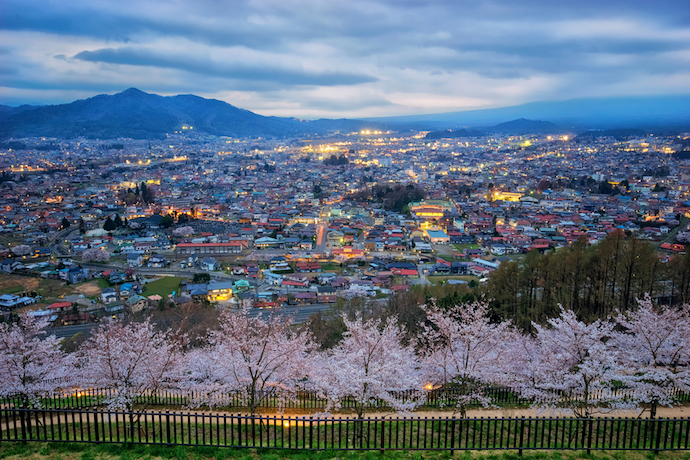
[[437, 234]]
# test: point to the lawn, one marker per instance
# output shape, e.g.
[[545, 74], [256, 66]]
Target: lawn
[[103, 283], [74, 451], [435, 279], [460, 247], [163, 287], [48, 288]]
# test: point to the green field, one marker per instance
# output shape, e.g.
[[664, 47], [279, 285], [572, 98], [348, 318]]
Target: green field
[[103, 283], [435, 279], [460, 247], [163, 287]]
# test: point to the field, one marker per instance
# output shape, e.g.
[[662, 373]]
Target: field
[[163, 287], [435, 279], [73, 451]]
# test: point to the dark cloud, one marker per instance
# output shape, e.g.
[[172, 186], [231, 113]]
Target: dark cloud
[[239, 71], [401, 54]]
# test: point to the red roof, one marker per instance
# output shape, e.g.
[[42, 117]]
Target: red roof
[[60, 305]]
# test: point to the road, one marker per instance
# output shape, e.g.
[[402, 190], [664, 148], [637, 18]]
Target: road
[[181, 272], [65, 332], [321, 237]]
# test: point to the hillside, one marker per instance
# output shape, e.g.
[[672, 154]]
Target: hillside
[[136, 114]]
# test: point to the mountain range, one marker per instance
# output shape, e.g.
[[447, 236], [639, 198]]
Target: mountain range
[[136, 114], [578, 114]]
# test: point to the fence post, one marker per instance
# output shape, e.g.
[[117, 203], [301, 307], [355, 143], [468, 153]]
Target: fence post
[[589, 436], [522, 434], [658, 436], [167, 425]]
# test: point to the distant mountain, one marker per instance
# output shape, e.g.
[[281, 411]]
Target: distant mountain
[[524, 126], [449, 134], [136, 114], [600, 113]]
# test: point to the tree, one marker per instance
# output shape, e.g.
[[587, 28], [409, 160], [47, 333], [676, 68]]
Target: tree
[[21, 250], [109, 225], [370, 363], [258, 357], [30, 362], [117, 221], [573, 369], [82, 225], [95, 255], [201, 278], [167, 220], [463, 347], [132, 360], [183, 231], [655, 350], [183, 218], [65, 223]]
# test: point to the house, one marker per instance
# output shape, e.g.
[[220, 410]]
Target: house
[[157, 261], [137, 303], [125, 290], [209, 263], [10, 302], [59, 306], [241, 285], [77, 275], [273, 278], [191, 261], [10, 265], [302, 298], [108, 295], [219, 291], [135, 259], [326, 294]]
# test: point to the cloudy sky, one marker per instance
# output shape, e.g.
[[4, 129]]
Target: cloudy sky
[[354, 58]]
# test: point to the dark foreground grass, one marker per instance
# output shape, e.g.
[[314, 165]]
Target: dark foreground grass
[[74, 451]]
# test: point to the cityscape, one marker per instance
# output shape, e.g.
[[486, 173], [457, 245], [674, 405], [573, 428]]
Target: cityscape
[[305, 229]]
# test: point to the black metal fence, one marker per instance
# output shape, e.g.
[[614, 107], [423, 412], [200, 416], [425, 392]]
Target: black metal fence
[[402, 433], [303, 400]]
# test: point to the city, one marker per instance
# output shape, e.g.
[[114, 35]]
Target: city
[[273, 224]]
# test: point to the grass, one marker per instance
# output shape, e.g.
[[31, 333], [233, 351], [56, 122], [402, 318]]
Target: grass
[[434, 279], [74, 451], [331, 267], [14, 289], [460, 247], [163, 287], [103, 283]]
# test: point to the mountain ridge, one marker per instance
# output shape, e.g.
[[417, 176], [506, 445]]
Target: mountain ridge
[[136, 114]]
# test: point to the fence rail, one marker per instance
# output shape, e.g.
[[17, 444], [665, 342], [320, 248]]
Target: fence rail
[[305, 400], [403, 433]]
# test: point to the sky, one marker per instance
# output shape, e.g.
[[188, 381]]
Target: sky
[[354, 58]]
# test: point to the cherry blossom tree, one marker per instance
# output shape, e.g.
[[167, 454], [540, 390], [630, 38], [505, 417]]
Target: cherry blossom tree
[[29, 362], [461, 346], [369, 364], [95, 255], [133, 360], [654, 350], [21, 250], [258, 357], [183, 231], [573, 368]]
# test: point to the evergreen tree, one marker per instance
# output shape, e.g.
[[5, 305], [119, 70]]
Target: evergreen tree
[[109, 225]]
